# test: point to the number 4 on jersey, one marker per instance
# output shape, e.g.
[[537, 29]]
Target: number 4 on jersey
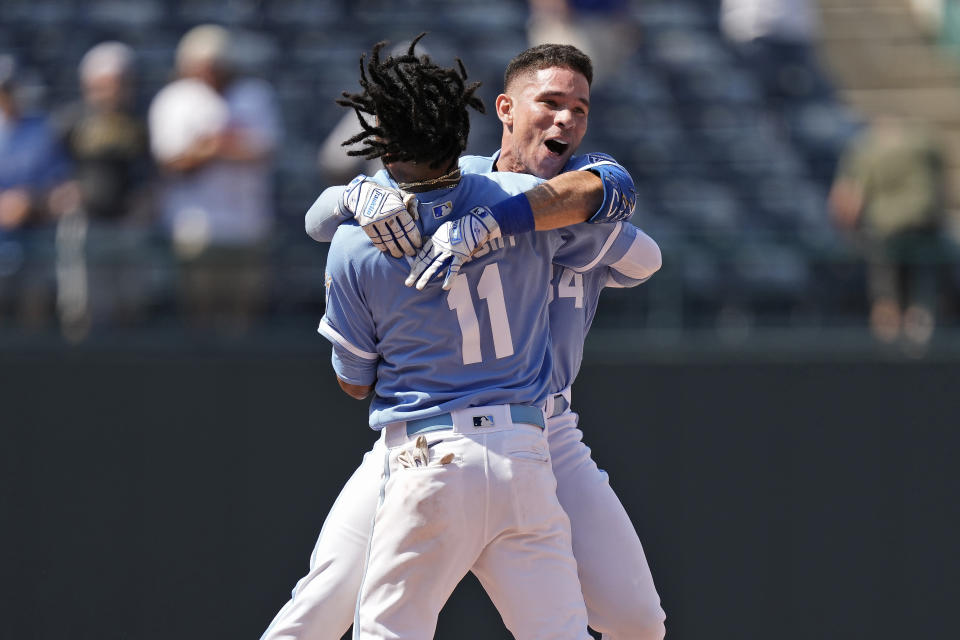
[[570, 285], [459, 299]]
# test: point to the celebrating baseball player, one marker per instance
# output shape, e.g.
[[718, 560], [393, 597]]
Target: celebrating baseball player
[[544, 112]]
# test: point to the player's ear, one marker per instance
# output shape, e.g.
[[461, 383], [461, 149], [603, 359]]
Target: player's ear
[[505, 109]]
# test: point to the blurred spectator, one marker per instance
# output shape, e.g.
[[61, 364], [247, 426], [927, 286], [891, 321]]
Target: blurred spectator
[[105, 138], [100, 246], [603, 29], [214, 133], [891, 189], [33, 169], [777, 39], [931, 14], [336, 167]]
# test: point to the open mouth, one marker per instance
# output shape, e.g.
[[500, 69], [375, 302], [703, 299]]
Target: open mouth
[[555, 146]]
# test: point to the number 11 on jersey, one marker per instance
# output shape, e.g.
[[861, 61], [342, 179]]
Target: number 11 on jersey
[[459, 299]]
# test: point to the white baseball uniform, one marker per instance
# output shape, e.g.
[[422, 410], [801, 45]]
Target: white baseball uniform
[[481, 495], [621, 599]]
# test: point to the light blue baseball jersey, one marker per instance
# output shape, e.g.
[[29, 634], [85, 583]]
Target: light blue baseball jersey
[[574, 294], [485, 341]]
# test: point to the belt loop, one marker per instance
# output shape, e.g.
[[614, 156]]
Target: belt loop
[[557, 403], [394, 434]]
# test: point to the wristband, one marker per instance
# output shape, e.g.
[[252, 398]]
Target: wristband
[[619, 196], [514, 215]]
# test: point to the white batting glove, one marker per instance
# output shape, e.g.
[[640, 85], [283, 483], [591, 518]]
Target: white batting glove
[[387, 215], [454, 243]]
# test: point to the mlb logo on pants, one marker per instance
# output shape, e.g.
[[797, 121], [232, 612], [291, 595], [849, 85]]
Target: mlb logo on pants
[[483, 421]]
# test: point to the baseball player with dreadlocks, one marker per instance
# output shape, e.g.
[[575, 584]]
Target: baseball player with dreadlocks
[[466, 481], [543, 93], [621, 599]]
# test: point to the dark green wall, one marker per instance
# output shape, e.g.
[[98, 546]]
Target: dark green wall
[[164, 494]]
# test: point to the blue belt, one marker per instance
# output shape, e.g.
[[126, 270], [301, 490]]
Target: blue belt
[[518, 413]]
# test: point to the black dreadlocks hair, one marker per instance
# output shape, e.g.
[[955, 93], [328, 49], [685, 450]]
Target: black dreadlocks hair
[[420, 108]]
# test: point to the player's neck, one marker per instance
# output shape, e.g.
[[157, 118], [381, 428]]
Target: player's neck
[[416, 177], [507, 160]]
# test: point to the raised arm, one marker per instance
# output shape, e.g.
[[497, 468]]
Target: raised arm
[[569, 198], [325, 215], [379, 208], [601, 191], [566, 199]]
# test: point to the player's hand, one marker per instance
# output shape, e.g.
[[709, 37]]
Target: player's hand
[[453, 244], [387, 215]]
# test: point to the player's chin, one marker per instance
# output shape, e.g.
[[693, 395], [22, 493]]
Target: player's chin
[[549, 164]]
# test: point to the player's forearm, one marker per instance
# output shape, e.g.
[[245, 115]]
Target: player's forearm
[[355, 391], [321, 221], [569, 198], [600, 193]]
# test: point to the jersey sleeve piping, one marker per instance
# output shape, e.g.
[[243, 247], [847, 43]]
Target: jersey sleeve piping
[[603, 250], [332, 335]]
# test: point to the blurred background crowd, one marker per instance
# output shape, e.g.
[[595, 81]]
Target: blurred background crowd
[[797, 160]]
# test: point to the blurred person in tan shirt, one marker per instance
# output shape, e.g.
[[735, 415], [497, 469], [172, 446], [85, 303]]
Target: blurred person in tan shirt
[[890, 191]]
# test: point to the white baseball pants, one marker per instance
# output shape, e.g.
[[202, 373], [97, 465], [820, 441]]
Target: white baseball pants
[[621, 599], [484, 500]]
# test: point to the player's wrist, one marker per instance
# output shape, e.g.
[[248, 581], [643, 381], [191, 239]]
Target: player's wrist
[[514, 215], [619, 194]]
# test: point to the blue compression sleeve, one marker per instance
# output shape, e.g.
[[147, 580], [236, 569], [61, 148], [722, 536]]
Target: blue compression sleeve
[[514, 215]]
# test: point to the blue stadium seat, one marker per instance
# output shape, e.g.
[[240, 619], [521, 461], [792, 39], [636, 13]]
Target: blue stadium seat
[[123, 13]]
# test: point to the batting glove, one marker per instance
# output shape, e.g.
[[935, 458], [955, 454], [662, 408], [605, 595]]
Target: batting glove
[[453, 244], [387, 215]]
